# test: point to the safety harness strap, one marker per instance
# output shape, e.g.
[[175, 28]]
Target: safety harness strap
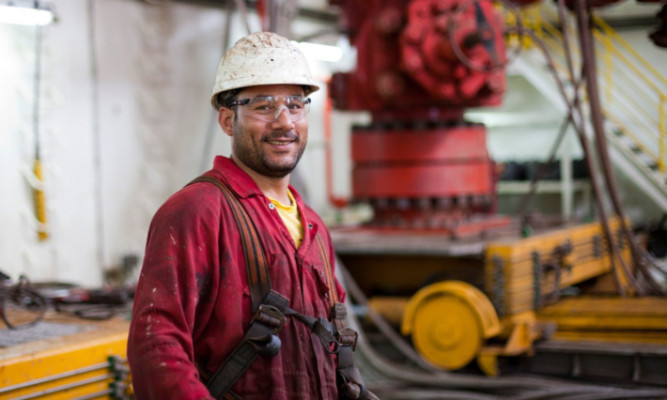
[[331, 282], [258, 273], [271, 308], [261, 339]]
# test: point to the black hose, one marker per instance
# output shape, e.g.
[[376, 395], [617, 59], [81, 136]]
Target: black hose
[[586, 42]]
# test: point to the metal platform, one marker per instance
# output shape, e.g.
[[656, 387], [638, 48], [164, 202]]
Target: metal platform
[[605, 338], [351, 241], [64, 357], [630, 363]]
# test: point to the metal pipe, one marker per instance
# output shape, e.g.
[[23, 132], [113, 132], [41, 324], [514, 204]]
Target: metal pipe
[[95, 395], [34, 382], [65, 387]]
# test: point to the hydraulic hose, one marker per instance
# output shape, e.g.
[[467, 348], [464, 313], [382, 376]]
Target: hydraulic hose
[[586, 43], [409, 382]]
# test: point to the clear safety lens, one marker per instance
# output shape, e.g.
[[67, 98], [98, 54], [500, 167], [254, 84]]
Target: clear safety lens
[[269, 108]]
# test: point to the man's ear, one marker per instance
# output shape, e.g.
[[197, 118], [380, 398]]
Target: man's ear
[[226, 120]]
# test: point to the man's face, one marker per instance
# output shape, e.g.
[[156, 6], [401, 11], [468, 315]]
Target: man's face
[[270, 148]]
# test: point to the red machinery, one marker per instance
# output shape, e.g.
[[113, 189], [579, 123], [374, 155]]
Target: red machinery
[[420, 64]]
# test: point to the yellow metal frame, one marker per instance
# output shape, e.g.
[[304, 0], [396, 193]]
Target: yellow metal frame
[[516, 259], [609, 319], [79, 362]]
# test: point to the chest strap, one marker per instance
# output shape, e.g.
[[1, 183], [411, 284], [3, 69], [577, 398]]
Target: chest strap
[[271, 309]]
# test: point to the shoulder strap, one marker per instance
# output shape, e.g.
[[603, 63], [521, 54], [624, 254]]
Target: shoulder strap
[[261, 338], [270, 308], [331, 282], [258, 272], [351, 383]]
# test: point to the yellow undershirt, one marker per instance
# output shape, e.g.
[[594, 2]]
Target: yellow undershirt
[[291, 219]]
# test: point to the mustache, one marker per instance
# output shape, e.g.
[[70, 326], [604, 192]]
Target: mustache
[[281, 136]]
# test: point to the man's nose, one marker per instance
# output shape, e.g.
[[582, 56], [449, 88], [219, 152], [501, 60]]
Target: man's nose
[[280, 110], [283, 118]]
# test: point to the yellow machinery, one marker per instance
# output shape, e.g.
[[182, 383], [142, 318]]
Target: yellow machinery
[[86, 361], [472, 299]]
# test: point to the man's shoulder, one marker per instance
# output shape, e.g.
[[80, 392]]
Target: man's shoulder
[[195, 199]]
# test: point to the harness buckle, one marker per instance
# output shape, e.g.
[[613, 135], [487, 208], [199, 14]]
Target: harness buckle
[[347, 337], [262, 333], [339, 311], [270, 316]]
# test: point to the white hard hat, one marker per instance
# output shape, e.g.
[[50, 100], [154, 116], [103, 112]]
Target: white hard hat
[[262, 58]]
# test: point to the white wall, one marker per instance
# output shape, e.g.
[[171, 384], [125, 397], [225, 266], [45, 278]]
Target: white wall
[[106, 168]]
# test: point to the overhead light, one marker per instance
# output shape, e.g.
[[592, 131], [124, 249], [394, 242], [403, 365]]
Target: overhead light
[[20, 15], [321, 52]]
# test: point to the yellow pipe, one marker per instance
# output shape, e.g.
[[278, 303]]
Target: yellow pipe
[[40, 202], [510, 21], [391, 308], [622, 57]]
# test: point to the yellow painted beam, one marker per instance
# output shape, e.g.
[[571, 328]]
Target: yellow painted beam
[[78, 362]]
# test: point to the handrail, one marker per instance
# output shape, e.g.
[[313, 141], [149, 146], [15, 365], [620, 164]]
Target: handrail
[[649, 85], [611, 32]]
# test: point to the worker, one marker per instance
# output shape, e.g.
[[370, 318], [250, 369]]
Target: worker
[[194, 306]]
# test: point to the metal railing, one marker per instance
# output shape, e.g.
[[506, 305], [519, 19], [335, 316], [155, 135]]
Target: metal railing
[[634, 93]]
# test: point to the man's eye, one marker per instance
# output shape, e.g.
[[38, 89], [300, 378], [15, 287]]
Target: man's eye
[[295, 106], [263, 107]]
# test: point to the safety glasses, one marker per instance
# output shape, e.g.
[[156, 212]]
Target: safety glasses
[[269, 108]]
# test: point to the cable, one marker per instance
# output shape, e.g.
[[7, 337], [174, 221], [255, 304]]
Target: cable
[[211, 130], [522, 209], [615, 258], [579, 128], [408, 382], [97, 139], [586, 42], [38, 190]]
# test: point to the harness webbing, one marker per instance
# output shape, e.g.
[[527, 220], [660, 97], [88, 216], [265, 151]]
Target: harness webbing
[[333, 295], [258, 273], [270, 307]]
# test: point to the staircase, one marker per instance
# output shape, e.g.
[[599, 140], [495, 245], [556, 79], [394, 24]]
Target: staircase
[[632, 91]]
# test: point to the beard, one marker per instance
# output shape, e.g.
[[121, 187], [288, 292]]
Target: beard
[[252, 153]]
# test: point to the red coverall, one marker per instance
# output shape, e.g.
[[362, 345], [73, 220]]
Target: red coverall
[[192, 304]]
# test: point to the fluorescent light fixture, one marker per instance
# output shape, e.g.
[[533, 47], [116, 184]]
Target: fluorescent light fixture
[[321, 52], [25, 15]]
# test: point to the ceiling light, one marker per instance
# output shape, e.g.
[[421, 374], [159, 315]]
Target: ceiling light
[[33, 16]]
